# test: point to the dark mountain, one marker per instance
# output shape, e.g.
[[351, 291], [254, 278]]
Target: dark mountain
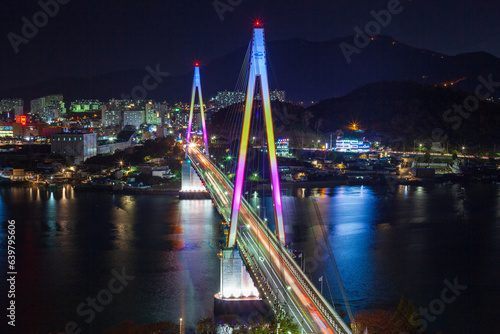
[[411, 111], [308, 71]]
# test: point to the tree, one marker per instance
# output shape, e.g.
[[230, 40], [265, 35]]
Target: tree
[[427, 156], [286, 323], [406, 312], [206, 326], [229, 323], [176, 151], [379, 322], [332, 155]]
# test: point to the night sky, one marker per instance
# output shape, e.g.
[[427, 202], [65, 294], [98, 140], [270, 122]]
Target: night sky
[[92, 37]]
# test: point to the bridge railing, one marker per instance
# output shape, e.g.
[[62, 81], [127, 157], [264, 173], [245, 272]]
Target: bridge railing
[[330, 315], [333, 319], [264, 286]]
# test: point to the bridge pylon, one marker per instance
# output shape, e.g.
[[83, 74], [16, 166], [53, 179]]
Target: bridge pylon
[[196, 88], [258, 71]]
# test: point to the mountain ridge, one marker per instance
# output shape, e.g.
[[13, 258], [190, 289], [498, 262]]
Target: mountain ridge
[[308, 71]]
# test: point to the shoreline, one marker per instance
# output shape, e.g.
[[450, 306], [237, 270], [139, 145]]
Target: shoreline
[[175, 189]]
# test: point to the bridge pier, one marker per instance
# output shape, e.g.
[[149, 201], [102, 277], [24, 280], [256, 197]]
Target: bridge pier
[[238, 294], [192, 187]]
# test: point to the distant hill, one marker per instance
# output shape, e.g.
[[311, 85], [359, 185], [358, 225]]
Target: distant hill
[[410, 111], [394, 111], [308, 71]]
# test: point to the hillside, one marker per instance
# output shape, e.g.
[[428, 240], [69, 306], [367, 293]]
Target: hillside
[[308, 71], [411, 111], [396, 111]]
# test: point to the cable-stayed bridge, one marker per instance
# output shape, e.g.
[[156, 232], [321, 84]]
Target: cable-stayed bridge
[[256, 262]]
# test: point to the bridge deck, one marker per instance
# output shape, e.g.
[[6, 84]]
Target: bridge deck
[[290, 286]]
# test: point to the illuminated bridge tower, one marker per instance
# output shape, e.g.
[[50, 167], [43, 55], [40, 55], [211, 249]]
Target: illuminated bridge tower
[[258, 71], [196, 87], [237, 287]]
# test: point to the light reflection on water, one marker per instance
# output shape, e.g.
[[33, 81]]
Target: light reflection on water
[[385, 244], [70, 242], [407, 242]]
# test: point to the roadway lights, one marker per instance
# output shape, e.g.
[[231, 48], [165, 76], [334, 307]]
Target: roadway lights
[[289, 287], [248, 226]]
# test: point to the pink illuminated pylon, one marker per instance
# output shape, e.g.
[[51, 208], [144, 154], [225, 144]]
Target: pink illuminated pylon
[[258, 71], [196, 87]]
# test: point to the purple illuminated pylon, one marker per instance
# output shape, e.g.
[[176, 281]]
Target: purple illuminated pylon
[[258, 71], [196, 87]]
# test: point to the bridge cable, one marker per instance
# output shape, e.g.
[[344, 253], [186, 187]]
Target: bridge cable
[[334, 263]]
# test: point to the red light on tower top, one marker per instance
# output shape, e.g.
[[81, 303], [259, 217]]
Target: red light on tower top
[[258, 24], [197, 64]]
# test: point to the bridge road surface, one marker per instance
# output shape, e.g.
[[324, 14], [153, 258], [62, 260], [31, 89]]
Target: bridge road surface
[[250, 235]]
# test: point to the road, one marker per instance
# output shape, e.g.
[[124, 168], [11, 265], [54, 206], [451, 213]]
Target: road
[[255, 237]]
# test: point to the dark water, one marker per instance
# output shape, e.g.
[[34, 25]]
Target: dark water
[[386, 245]]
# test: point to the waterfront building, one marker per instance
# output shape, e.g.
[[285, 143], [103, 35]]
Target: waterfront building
[[282, 147], [6, 130], [75, 145], [352, 145]]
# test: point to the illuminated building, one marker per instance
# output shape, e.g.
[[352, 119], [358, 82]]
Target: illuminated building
[[352, 145], [25, 131], [128, 112], [110, 117], [48, 108], [85, 106], [12, 107], [133, 117], [226, 98], [6, 130], [74, 145], [152, 113], [282, 148]]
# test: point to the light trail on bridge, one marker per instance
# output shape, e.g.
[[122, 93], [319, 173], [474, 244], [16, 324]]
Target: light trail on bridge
[[255, 240]]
